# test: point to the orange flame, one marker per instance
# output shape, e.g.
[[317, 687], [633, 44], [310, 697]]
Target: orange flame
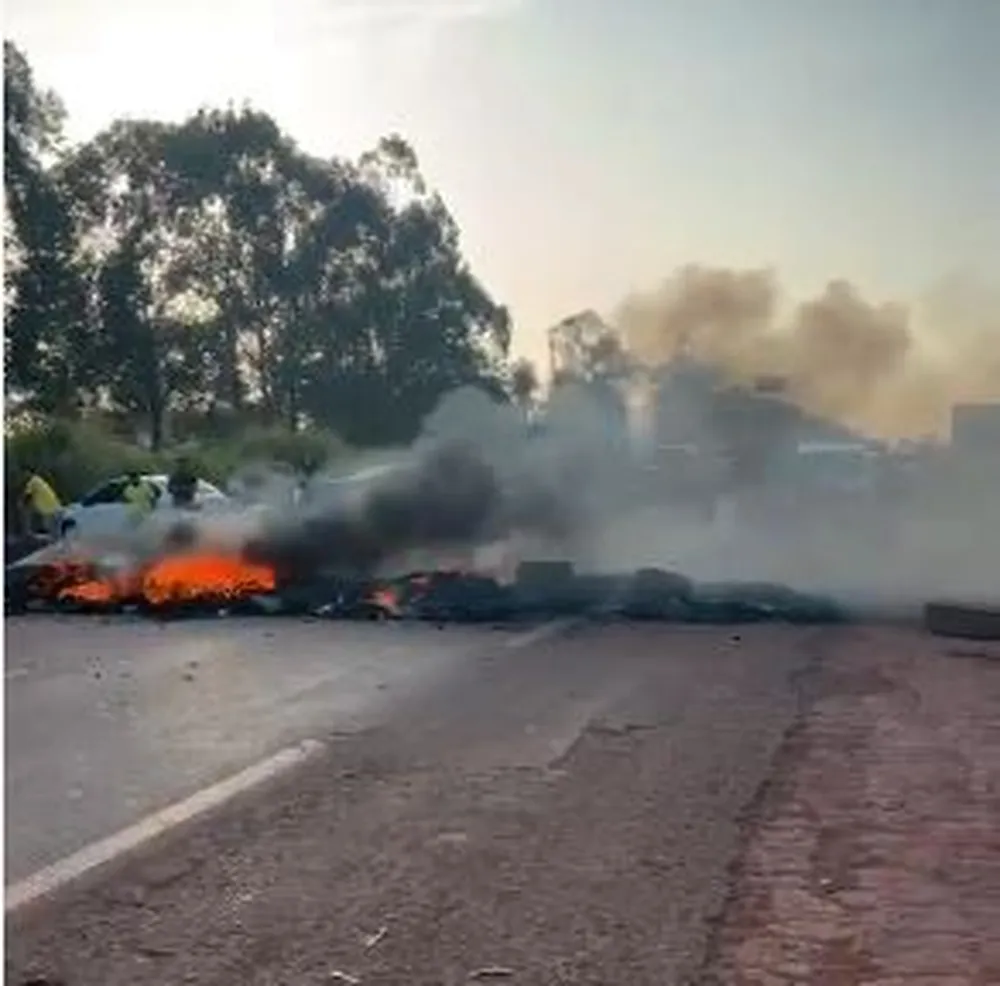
[[177, 578], [387, 599], [95, 592], [186, 578], [57, 575]]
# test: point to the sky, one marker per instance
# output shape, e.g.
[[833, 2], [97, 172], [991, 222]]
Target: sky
[[589, 147]]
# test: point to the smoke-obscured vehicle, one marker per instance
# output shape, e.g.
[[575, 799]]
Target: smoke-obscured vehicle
[[324, 491], [103, 512]]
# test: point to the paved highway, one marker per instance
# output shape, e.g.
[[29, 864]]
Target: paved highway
[[109, 720], [561, 811]]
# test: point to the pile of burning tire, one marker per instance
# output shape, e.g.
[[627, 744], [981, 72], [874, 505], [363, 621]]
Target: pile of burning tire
[[199, 585]]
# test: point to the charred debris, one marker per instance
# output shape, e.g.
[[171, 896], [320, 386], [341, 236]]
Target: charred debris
[[541, 590]]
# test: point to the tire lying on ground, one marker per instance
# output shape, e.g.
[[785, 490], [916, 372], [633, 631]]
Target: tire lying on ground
[[968, 621], [657, 594], [545, 587]]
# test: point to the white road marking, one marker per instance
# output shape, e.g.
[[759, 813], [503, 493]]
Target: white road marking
[[16, 673], [46, 881], [539, 634]]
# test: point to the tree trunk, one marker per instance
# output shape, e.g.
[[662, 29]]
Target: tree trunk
[[156, 422], [233, 382]]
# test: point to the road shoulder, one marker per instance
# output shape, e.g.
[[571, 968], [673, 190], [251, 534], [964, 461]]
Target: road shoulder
[[874, 856]]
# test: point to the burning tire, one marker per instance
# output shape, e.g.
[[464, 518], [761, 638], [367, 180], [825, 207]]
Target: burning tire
[[655, 594], [965, 621], [545, 587]]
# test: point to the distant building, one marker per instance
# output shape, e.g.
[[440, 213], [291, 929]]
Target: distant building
[[697, 404], [753, 427]]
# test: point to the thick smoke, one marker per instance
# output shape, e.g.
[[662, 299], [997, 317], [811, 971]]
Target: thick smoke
[[477, 475], [450, 496], [572, 484], [874, 365]]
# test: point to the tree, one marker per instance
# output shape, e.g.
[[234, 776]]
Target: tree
[[46, 308], [244, 199], [212, 268], [524, 384], [585, 348], [122, 194], [417, 323]]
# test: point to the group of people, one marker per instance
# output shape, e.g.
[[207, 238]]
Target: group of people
[[41, 504]]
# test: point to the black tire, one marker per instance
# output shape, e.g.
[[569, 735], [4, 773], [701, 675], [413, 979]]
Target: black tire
[[967, 622]]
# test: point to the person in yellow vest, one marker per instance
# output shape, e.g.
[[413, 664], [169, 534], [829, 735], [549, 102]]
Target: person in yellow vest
[[41, 505], [139, 497]]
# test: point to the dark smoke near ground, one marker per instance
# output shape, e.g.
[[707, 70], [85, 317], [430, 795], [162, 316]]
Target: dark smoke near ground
[[477, 475], [450, 497], [445, 495], [571, 485]]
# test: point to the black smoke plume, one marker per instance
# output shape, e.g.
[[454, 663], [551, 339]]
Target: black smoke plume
[[450, 497]]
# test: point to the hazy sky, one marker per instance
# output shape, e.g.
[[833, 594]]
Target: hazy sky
[[587, 147]]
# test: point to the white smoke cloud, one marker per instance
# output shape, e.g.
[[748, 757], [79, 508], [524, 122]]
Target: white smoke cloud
[[403, 14]]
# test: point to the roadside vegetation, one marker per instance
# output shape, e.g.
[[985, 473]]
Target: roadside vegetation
[[209, 287]]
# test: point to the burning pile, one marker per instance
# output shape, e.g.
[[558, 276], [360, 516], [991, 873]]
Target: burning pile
[[326, 560], [198, 583], [197, 578]]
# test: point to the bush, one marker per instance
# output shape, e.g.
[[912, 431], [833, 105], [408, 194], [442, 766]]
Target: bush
[[76, 456], [73, 457], [302, 452]]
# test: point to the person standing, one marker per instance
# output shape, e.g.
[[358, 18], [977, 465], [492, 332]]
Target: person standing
[[183, 484], [41, 505], [139, 497]]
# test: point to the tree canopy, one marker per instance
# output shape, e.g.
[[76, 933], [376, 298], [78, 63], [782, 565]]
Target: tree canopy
[[213, 271]]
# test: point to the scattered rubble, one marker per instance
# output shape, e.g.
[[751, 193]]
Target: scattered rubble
[[370, 941], [965, 620], [339, 976], [541, 590]]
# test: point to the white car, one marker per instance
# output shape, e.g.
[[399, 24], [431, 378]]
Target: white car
[[103, 512], [324, 491]]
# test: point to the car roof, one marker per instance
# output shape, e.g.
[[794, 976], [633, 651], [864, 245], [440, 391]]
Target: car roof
[[159, 478], [362, 475]]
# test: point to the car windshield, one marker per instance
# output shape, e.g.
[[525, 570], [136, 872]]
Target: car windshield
[[108, 492]]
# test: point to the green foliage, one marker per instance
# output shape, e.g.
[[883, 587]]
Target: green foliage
[[210, 281], [77, 455], [74, 456], [301, 452], [46, 358], [212, 268]]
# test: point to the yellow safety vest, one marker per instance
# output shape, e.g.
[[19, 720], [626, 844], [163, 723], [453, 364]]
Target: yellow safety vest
[[41, 497], [139, 497]]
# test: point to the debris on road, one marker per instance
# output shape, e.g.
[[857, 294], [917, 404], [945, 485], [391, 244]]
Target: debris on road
[[339, 976], [219, 586], [491, 972], [978, 654], [370, 941], [971, 622]]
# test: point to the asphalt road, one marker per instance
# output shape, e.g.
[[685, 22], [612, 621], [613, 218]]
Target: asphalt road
[[108, 721], [564, 812]]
